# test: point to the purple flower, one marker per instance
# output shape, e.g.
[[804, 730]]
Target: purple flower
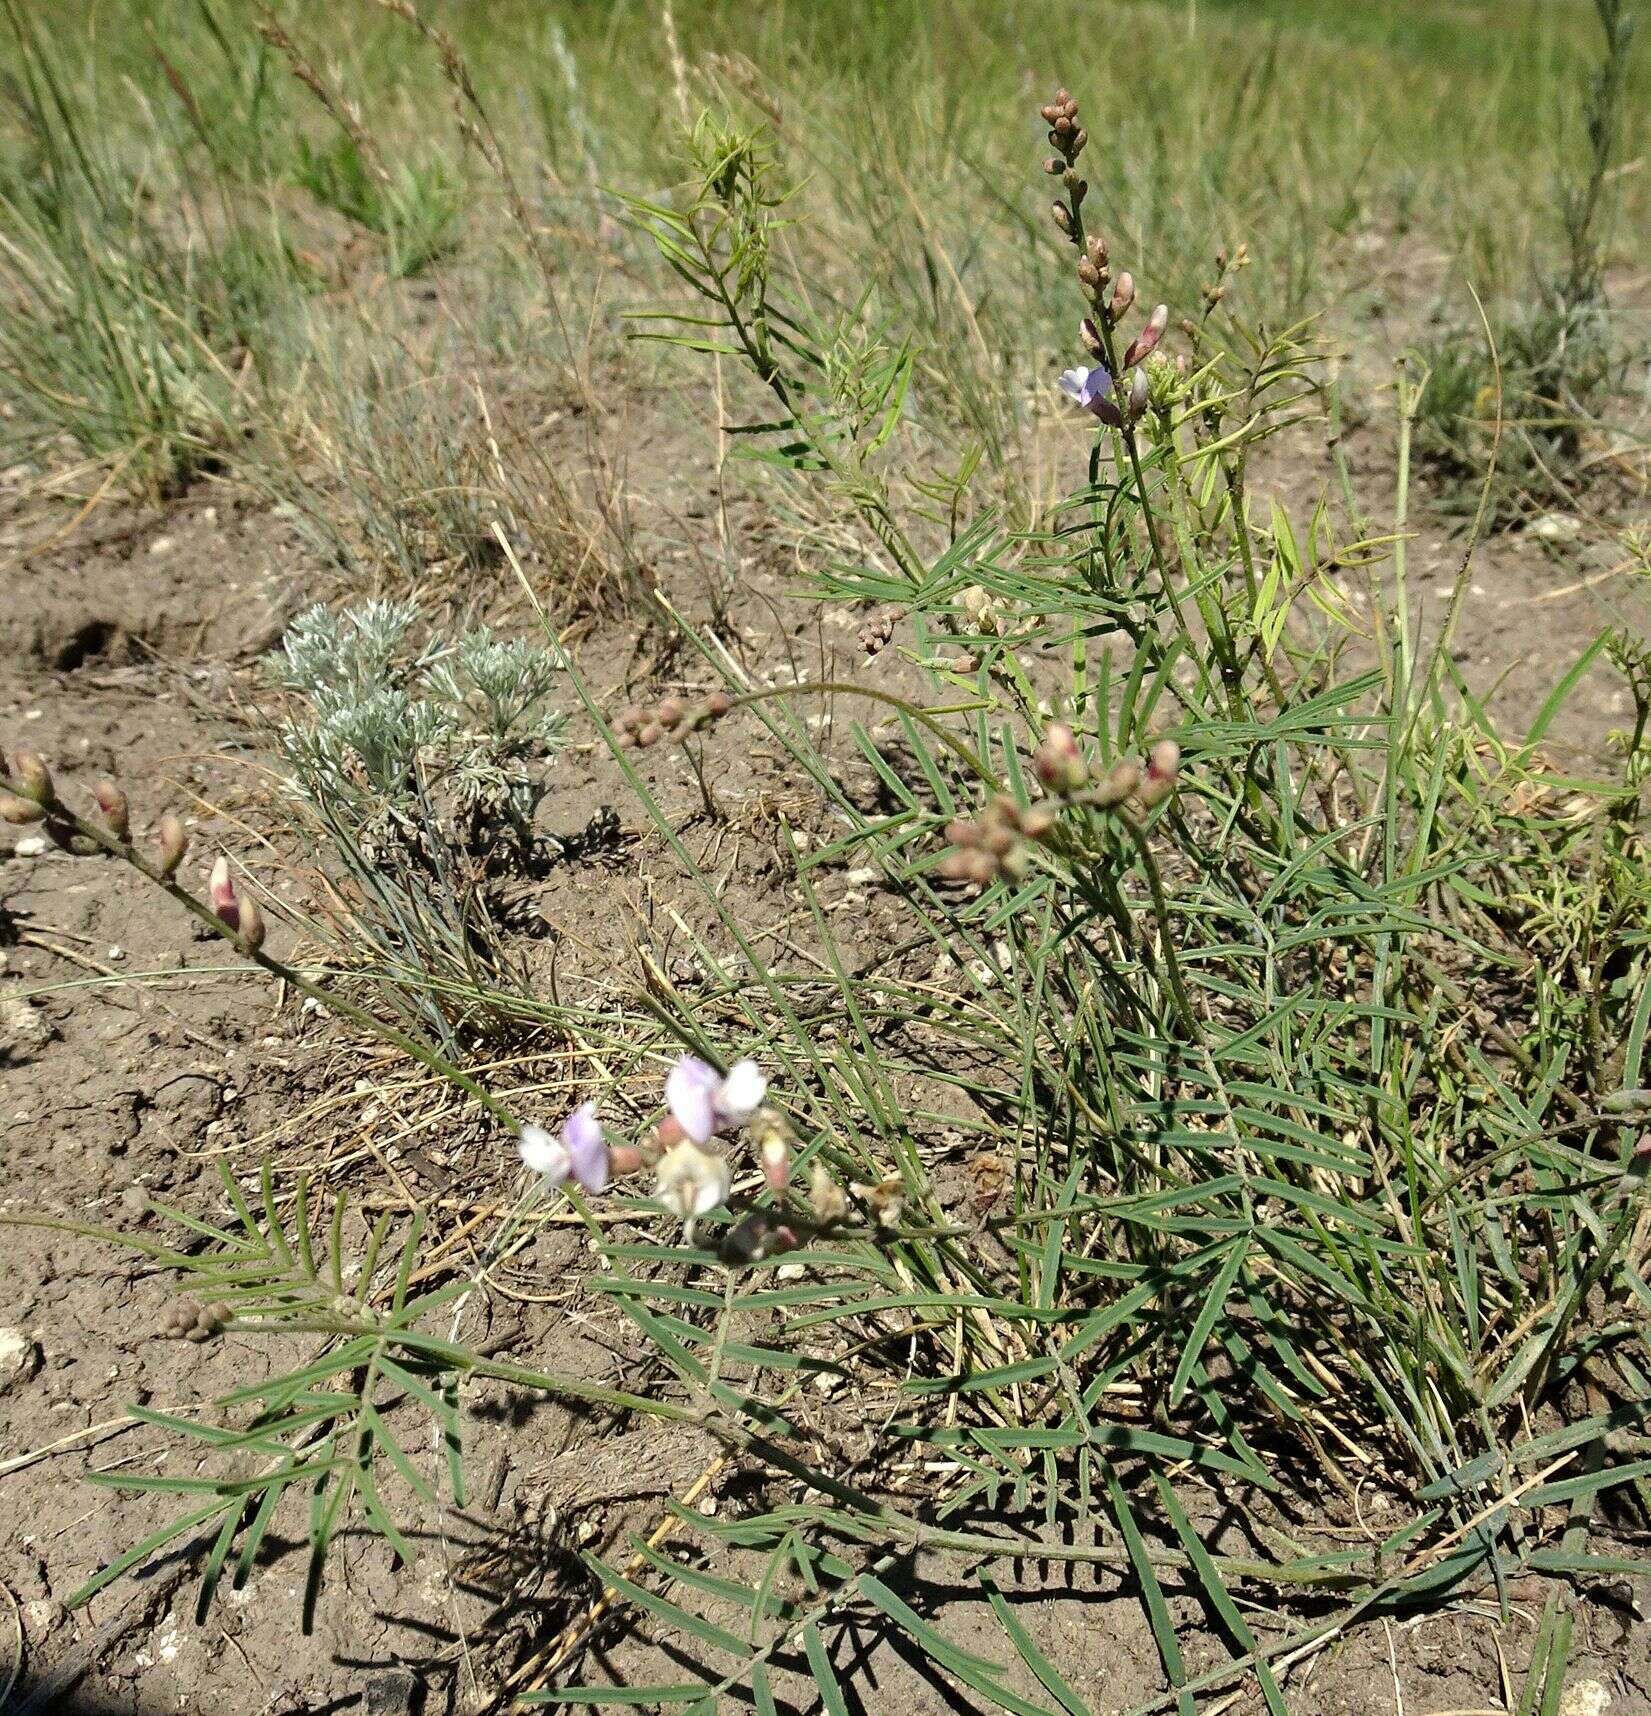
[[703, 1102], [580, 1154], [1092, 389]]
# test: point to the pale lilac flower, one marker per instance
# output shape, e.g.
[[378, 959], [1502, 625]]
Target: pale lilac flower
[[703, 1101], [690, 1181], [580, 1154], [1094, 390]]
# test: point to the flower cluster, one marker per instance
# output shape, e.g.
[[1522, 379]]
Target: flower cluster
[[670, 718], [30, 796], [997, 846], [1102, 389], [994, 847]]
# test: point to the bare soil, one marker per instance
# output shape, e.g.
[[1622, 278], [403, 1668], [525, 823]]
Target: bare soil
[[128, 648]]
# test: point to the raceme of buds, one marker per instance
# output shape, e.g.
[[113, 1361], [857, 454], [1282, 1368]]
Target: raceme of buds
[[1065, 134], [117, 813], [1147, 340], [1058, 763], [1163, 772], [996, 845], [670, 718], [221, 887], [174, 842], [877, 631]]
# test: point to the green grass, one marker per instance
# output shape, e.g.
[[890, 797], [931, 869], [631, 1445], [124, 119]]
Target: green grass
[[1312, 1090]]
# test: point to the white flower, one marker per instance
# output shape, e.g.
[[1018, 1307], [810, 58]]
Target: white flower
[[546, 1154]]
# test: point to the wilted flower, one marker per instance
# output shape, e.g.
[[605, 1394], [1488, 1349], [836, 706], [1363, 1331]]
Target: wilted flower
[[579, 1154], [703, 1101], [825, 1196], [690, 1181]]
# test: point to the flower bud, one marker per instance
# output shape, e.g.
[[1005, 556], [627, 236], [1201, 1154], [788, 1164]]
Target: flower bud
[[1062, 217], [221, 887], [1091, 337], [1040, 822], [1054, 166], [1138, 389], [117, 813], [1122, 780], [174, 842], [19, 811], [669, 713], [775, 1154], [252, 925], [1095, 252], [1078, 142], [34, 779], [1162, 773], [1049, 113], [1148, 338], [649, 735], [1058, 763], [718, 704], [1123, 294]]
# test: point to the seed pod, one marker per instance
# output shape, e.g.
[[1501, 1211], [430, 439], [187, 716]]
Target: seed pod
[[117, 813], [174, 842]]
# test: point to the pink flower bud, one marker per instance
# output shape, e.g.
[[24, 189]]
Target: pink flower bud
[[1138, 390], [669, 713], [174, 842], [116, 811], [1091, 337], [776, 1161], [624, 1158], [718, 704], [222, 890], [1123, 294], [1162, 773], [1058, 763], [1147, 340]]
